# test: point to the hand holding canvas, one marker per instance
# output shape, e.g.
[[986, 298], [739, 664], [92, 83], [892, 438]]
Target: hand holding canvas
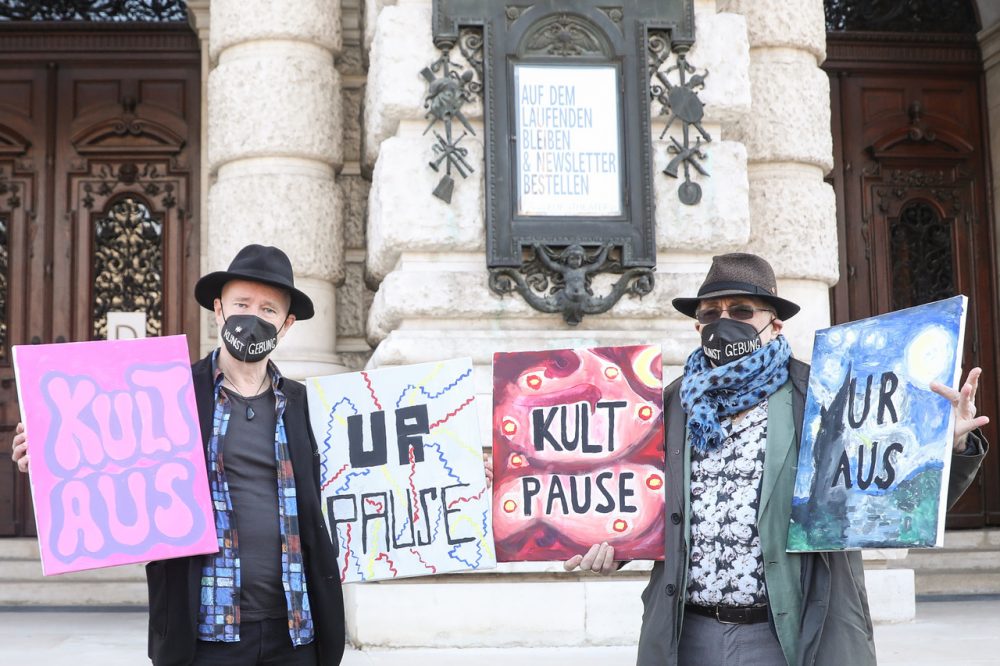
[[488, 468], [19, 450], [963, 403], [600, 559]]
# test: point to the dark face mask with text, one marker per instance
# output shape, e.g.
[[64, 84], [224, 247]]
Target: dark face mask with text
[[249, 338], [727, 340]]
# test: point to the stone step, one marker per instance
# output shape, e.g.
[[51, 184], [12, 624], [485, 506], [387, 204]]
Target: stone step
[[949, 559], [22, 570], [973, 539], [19, 549], [22, 582], [958, 582], [73, 593]]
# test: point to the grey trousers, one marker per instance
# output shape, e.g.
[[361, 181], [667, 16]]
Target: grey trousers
[[707, 642]]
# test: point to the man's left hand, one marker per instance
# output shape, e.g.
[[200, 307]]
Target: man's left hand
[[963, 403]]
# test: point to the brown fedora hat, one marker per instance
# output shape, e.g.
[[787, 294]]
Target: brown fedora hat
[[257, 263], [739, 274]]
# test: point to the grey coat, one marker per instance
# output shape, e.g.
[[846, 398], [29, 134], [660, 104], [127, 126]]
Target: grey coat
[[834, 625]]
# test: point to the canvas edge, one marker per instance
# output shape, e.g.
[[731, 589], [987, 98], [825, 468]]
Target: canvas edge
[[46, 571], [948, 452]]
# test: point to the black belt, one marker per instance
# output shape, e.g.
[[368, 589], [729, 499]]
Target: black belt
[[730, 614]]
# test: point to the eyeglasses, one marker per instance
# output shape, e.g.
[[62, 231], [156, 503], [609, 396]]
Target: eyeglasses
[[740, 312]]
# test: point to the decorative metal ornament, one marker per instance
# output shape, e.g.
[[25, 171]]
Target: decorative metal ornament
[[680, 101], [128, 265], [128, 203], [447, 93], [94, 10], [568, 156], [10, 190], [954, 16], [559, 281], [566, 36], [922, 257]]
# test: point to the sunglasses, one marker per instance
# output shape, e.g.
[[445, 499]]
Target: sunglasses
[[740, 312]]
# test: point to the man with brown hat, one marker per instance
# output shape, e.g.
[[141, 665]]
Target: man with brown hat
[[271, 594], [727, 592]]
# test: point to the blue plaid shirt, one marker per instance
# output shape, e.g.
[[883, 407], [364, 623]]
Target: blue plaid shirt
[[219, 613]]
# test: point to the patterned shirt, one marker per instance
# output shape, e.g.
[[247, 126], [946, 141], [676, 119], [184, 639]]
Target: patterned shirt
[[219, 613], [727, 566]]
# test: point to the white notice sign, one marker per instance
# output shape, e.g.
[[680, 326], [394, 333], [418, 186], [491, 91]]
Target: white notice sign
[[126, 325], [569, 157]]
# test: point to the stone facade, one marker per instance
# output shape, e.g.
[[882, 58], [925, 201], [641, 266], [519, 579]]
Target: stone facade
[[428, 260], [314, 141]]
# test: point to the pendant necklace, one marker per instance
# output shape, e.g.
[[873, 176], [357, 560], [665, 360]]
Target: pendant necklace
[[250, 412]]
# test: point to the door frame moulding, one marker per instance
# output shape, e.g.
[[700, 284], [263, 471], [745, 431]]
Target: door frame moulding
[[95, 42]]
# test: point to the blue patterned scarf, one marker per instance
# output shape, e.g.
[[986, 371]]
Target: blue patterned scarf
[[708, 393], [219, 613]]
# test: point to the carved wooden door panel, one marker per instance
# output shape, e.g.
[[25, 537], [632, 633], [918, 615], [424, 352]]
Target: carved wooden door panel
[[123, 220], [98, 192], [915, 224], [23, 150]]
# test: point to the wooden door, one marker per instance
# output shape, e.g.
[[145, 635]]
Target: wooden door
[[912, 186], [99, 147], [23, 150]]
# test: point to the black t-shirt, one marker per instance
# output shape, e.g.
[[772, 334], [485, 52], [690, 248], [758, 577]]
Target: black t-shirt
[[251, 470]]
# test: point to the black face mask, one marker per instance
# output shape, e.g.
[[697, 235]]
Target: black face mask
[[726, 340], [249, 338]]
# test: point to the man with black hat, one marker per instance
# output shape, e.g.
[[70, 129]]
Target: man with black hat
[[271, 594], [727, 592]]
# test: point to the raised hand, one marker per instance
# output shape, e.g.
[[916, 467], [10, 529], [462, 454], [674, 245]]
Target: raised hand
[[963, 403]]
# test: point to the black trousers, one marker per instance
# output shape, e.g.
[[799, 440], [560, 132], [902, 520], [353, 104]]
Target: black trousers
[[264, 643]]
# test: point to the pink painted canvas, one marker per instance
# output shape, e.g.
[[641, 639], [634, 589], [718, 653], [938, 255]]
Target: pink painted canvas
[[578, 453], [117, 465]]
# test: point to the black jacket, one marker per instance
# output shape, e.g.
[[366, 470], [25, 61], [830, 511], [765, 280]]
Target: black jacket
[[175, 585]]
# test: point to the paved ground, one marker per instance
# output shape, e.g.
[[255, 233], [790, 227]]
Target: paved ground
[[949, 633]]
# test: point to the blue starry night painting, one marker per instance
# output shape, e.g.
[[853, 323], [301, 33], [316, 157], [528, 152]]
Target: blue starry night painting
[[876, 441]]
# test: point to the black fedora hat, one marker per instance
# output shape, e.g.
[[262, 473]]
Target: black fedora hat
[[739, 274], [257, 263]]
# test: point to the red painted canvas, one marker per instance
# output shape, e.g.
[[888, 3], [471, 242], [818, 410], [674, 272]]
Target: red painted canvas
[[578, 453]]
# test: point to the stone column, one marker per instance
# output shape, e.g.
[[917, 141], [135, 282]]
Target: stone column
[[433, 302], [790, 149], [274, 147]]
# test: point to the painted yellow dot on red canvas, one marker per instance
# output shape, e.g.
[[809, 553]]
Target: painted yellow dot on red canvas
[[509, 427], [619, 525], [517, 460], [510, 506], [611, 373], [654, 482], [533, 382], [645, 412]]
